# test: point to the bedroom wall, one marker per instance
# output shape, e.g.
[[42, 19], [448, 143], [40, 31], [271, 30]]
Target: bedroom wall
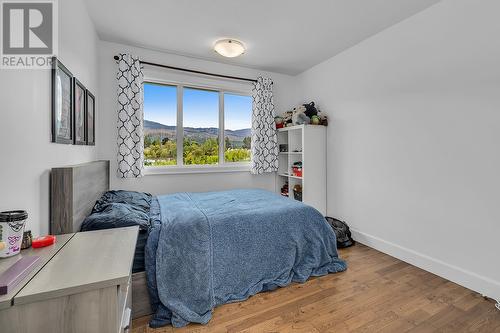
[[413, 157], [161, 184], [25, 120]]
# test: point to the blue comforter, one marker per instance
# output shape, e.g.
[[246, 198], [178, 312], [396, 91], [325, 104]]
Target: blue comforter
[[219, 247]]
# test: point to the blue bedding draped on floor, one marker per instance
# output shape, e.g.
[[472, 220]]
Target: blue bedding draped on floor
[[218, 247]]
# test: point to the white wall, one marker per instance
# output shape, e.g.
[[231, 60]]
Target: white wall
[[162, 184], [413, 144], [25, 120]]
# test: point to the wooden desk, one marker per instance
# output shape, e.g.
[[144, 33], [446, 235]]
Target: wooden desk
[[84, 287]]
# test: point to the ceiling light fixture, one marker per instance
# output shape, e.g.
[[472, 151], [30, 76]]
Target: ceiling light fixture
[[229, 48]]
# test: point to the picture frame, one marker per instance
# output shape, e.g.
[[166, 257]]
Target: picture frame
[[62, 103], [90, 124], [79, 113]]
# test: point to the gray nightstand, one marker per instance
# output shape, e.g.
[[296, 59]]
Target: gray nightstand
[[84, 287]]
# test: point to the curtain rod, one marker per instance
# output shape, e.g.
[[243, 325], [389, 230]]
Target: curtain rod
[[192, 71]]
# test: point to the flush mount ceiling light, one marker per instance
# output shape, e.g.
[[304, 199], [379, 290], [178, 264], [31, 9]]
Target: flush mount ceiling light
[[229, 48]]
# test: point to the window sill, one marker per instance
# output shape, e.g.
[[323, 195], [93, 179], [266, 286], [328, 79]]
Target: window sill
[[172, 170]]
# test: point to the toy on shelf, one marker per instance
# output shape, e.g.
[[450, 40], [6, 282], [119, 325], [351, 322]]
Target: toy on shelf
[[315, 120], [297, 192], [279, 122], [287, 118], [302, 114], [299, 116], [297, 169], [284, 189], [283, 148]]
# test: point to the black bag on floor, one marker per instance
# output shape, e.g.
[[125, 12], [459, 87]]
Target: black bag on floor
[[342, 232]]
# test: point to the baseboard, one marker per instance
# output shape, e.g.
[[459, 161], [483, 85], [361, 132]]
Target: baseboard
[[483, 285]]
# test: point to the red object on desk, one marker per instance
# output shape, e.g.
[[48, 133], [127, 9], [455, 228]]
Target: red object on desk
[[43, 241]]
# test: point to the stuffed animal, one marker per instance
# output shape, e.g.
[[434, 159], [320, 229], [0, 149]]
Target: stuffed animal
[[320, 118], [287, 117], [310, 110], [278, 121], [299, 116], [323, 119], [301, 119], [315, 120], [302, 115]]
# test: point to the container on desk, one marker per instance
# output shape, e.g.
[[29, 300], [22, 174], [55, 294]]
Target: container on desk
[[11, 232]]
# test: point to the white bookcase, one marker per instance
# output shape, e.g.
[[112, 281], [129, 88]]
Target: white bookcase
[[305, 143]]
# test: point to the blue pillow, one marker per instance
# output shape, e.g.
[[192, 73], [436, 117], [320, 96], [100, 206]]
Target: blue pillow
[[139, 200], [116, 215]]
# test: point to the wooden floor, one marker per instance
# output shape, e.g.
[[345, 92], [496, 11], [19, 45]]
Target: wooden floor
[[376, 294]]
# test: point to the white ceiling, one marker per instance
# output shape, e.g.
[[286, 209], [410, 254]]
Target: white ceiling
[[285, 36]]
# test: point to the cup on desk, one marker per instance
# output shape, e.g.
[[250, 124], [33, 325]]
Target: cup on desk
[[11, 232]]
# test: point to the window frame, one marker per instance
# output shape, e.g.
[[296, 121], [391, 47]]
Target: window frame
[[180, 167]]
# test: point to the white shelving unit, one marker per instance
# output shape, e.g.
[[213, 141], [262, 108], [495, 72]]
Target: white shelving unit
[[306, 143]]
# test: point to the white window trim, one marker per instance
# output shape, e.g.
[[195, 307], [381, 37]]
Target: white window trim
[[208, 168], [180, 168]]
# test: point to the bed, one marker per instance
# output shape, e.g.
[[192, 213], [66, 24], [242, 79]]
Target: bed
[[203, 249]]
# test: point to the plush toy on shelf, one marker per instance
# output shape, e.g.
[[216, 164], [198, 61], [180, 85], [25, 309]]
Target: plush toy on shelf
[[287, 118], [297, 169], [303, 114], [310, 109], [299, 116], [279, 122], [297, 192], [284, 190], [323, 119], [315, 120]]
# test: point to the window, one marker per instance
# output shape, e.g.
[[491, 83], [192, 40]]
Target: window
[[199, 118], [237, 123], [201, 126], [160, 124]]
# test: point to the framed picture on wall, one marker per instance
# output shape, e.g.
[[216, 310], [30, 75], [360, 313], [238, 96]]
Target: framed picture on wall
[[80, 112], [62, 103], [90, 119]]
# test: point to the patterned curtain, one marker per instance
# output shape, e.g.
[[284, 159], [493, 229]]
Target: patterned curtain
[[130, 117], [264, 139]]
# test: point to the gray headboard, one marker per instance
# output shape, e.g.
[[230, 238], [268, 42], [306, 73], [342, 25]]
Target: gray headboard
[[73, 192]]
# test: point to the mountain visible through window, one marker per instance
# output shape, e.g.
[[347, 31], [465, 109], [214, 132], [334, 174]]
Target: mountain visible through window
[[201, 126], [201, 112], [237, 123], [160, 125]]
